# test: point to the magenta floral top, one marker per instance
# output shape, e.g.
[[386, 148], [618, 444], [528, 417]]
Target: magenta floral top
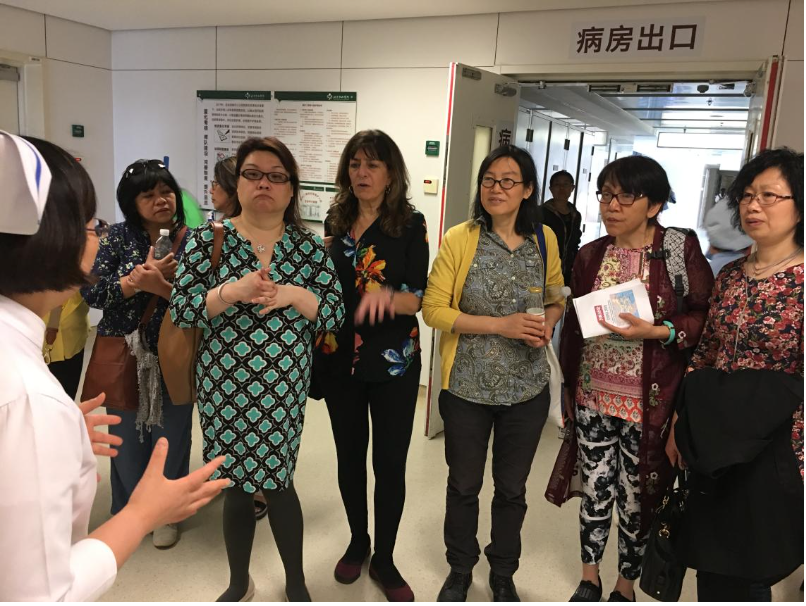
[[767, 317]]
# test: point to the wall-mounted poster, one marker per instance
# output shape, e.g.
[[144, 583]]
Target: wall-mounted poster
[[314, 125]]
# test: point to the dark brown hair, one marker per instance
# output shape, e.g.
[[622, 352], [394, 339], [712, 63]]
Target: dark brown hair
[[274, 146], [786, 160], [50, 259], [227, 179], [395, 211]]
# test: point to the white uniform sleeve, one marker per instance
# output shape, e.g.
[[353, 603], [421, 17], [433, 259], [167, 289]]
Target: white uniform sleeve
[[47, 484]]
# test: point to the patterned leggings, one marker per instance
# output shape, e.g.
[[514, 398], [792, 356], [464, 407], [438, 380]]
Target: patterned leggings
[[608, 448]]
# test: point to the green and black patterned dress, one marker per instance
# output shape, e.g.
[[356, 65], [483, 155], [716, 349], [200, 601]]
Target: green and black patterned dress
[[253, 371]]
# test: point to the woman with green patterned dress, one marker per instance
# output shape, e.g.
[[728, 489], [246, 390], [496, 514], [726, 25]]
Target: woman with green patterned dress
[[273, 290]]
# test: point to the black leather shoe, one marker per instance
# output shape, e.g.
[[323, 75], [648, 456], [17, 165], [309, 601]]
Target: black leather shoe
[[455, 587], [617, 596], [503, 588], [587, 592]]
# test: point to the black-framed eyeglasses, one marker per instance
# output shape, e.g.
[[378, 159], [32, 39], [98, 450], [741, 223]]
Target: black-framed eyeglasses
[[253, 174], [213, 184], [100, 227], [765, 198], [505, 183], [141, 166], [624, 198]]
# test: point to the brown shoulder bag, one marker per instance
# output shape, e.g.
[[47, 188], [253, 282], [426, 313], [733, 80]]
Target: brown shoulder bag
[[178, 347]]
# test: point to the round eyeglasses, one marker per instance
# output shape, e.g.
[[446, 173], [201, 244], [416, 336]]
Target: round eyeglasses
[[505, 183]]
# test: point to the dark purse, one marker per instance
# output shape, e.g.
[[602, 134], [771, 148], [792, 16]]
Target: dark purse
[[662, 574]]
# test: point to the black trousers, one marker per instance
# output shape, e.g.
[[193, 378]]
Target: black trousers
[[516, 432], [68, 373], [390, 404], [720, 588]]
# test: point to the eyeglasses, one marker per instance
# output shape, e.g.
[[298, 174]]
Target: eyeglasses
[[141, 166], [253, 174], [213, 184], [489, 182], [624, 198], [100, 227], [765, 198]]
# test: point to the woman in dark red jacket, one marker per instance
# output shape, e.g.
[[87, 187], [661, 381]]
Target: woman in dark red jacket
[[620, 388]]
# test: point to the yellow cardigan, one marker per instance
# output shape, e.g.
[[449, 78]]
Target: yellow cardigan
[[447, 279], [74, 327]]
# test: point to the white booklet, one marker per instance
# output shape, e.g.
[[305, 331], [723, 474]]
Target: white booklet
[[606, 304]]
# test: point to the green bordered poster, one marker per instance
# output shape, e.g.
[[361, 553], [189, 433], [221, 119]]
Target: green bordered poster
[[314, 125]]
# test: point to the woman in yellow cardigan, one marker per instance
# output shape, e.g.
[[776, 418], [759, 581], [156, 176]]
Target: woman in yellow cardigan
[[65, 338], [494, 369]]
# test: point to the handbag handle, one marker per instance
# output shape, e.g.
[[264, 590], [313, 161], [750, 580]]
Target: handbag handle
[[152, 304]]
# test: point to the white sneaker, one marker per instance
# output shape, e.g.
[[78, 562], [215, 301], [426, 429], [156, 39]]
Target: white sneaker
[[166, 536]]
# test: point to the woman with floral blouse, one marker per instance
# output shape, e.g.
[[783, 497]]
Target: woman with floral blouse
[[273, 290], [128, 278], [371, 367], [755, 322], [621, 387]]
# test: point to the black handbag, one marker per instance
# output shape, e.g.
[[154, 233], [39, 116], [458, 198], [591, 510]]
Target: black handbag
[[662, 574]]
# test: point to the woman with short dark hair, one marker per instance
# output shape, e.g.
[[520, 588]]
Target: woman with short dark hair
[[129, 280], [495, 372], [260, 309], [371, 367], [49, 239], [620, 388], [743, 529]]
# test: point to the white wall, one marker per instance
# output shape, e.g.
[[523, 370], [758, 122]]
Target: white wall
[[77, 88], [788, 128]]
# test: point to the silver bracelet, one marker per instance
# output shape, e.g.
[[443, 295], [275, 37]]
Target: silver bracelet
[[222, 299]]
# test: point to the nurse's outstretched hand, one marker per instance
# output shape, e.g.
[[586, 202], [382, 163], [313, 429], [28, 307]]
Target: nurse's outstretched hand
[[158, 500], [99, 439]]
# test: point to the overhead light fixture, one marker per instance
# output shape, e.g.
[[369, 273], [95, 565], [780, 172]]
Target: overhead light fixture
[[654, 88], [604, 88]]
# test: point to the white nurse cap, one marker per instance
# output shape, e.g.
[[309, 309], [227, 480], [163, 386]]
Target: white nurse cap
[[24, 185]]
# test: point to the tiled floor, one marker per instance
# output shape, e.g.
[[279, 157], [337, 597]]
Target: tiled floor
[[196, 568]]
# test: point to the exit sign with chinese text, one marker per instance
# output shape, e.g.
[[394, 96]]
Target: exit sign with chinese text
[[637, 39]]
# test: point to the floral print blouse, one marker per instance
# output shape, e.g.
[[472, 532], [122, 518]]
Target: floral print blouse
[[376, 261], [756, 324], [118, 253], [610, 374]]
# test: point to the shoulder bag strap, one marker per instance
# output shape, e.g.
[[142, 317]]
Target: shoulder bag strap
[[541, 244]]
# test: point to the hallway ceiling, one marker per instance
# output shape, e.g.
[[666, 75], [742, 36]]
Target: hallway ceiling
[[155, 14], [722, 107]]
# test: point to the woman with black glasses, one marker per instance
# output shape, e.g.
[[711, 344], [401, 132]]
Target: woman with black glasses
[[494, 369], [620, 388], [129, 280], [260, 308]]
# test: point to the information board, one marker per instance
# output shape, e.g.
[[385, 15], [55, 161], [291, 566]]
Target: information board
[[315, 126]]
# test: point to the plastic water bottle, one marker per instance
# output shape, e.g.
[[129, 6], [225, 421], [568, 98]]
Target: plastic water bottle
[[163, 245]]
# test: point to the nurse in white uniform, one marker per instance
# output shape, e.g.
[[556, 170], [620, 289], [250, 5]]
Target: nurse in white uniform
[[48, 241]]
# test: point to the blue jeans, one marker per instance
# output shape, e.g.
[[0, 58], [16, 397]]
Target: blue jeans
[[133, 455]]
